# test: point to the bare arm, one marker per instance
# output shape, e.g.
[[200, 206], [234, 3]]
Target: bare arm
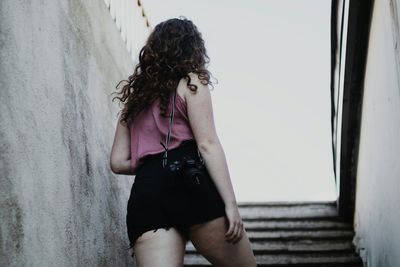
[[201, 119], [120, 158]]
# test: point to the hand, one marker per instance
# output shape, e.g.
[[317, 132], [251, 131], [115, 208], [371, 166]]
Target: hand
[[235, 230]]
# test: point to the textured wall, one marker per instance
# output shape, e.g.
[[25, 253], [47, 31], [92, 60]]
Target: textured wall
[[377, 213], [60, 204]]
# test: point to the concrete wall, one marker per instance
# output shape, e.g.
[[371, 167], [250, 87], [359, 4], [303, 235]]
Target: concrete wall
[[377, 214], [60, 204]]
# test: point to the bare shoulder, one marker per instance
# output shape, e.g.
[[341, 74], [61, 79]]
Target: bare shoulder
[[200, 111], [186, 93]]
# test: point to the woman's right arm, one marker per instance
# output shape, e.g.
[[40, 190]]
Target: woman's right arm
[[200, 113], [120, 156]]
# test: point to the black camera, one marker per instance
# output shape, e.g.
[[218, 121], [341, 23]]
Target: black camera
[[187, 171]]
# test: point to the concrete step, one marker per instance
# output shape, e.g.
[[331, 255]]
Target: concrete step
[[299, 224], [267, 211], [293, 234], [294, 247], [299, 235], [301, 204], [328, 259]]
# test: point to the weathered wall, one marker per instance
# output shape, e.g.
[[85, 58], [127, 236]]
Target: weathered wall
[[377, 214], [60, 204]]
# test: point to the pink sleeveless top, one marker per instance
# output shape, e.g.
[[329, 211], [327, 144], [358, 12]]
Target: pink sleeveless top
[[149, 128]]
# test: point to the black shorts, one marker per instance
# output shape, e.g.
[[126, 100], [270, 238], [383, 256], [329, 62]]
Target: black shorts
[[154, 203]]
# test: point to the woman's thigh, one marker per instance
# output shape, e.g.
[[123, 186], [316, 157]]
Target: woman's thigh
[[161, 248], [209, 239]]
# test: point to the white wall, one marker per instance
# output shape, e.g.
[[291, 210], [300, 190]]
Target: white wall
[[377, 214], [60, 204]]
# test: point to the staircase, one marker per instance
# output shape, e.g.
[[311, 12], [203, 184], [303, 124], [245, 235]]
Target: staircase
[[293, 234]]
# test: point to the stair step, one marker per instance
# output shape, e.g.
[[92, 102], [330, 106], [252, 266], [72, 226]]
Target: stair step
[[265, 211], [332, 264], [295, 247], [288, 260], [294, 224], [244, 204], [299, 235]]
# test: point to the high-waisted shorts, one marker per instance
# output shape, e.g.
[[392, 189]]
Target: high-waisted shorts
[[154, 203]]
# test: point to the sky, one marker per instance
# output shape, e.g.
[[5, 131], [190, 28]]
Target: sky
[[270, 65]]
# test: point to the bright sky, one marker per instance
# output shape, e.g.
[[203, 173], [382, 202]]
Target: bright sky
[[271, 103]]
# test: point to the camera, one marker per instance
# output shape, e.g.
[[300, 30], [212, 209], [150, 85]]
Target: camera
[[187, 171]]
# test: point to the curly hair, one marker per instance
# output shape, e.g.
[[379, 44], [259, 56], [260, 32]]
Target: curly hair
[[173, 50]]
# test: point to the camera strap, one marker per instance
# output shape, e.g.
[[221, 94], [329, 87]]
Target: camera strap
[[168, 136]]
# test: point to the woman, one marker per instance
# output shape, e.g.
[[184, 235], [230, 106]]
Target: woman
[[161, 218]]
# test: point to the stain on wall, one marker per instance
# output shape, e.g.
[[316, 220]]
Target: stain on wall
[[377, 192], [394, 6], [60, 204]]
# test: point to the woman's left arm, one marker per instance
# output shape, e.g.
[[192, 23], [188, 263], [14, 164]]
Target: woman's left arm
[[120, 158]]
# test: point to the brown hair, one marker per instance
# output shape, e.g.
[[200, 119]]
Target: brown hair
[[174, 49]]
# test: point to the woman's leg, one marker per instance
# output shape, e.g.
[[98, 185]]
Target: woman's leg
[[209, 239], [161, 248]]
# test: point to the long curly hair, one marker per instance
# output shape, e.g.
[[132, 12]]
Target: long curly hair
[[174, 49]]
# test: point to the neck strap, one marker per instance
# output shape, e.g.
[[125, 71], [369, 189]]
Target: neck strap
[[168, 137]]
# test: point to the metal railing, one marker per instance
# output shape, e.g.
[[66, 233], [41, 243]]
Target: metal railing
[[132, 22]]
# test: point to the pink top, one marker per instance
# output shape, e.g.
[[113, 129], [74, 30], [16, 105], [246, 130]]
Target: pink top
[[149, 128]]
